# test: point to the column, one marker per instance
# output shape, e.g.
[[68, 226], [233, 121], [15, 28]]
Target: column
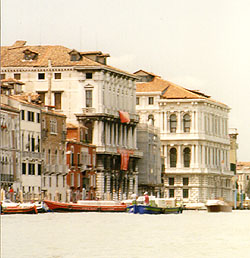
[[179, 157], [193, 122], [178, 130], [192, 157], [125, 135]]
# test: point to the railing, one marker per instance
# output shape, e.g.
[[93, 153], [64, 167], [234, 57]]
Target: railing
[[6, 178], [33, 155], [89, 110]]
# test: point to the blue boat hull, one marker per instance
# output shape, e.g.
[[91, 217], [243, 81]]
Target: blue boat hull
[[144, 209]]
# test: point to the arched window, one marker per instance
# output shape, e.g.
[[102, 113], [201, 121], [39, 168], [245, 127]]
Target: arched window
[[151, 119], [173, 123], [173, 157], [186, 123], [186, 158]]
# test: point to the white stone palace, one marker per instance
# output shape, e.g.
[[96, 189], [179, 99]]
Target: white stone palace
[[194, 137], [83, 87]]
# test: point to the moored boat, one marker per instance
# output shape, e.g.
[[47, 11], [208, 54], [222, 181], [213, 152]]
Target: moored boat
[[19, 210], [148, 209], [218, 206], [86, 206]]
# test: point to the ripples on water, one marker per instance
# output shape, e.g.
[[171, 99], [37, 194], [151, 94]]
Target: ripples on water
[[73, 235]]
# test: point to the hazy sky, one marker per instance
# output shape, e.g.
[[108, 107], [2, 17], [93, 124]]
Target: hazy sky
[[198, 44]]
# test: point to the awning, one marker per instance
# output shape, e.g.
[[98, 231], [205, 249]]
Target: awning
[[124, 116]]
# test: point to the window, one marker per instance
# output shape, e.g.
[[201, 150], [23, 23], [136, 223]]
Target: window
[[17, 76], [151, 119], [173, 123], [2, 76], [89, 75], [185, 180], [74, 57], [186, 154], [186, 123], [137, 101], [50, 183], [150, 100], [173, 157], [171, 180], [171, 193], [57, 179], [57, 76], [185, 193], [39, 169], [88, 98], [72, 179], [42, 96], [78, 159], [41, 76], [24, 168], [31, 170], [53, 126], [79, 180], [38, 117], [72, 158], [23, 114], [32, 143], [30, 116], [57, 99]]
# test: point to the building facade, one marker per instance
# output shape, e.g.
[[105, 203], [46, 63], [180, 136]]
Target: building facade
[[83, 87], [53, 132], [150, 165], [81, 161], [194, 138], [10, 156], [243, 178]]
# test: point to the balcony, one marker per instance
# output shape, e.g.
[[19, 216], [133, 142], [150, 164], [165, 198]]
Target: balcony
[[6, 178], [88, 110], [32, 155]]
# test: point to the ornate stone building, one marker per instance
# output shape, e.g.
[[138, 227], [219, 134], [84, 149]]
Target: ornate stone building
[[194, 137], [82, 84]]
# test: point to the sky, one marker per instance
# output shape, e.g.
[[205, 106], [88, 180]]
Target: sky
[[198, 44]]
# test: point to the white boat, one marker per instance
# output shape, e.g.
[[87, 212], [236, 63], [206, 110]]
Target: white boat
[[218, 206]]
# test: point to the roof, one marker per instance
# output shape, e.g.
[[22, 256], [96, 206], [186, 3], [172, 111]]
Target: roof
[[13, 56], [242, 165], [11, 81], [145, 73], [170, 90]]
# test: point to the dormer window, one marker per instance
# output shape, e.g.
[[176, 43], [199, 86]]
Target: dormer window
[[74, 55], [30, 55]]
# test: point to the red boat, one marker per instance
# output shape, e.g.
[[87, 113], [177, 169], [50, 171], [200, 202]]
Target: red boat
[[84, 206], [19, 210]]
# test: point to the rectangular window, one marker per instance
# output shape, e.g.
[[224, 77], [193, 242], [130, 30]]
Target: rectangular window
[[41, 76], [50, 181], [30, 116], [72, 158], [72, 179], [185, 193], [185, 181], [58, 99], [89, 75], [137, 101], [38, 117], [17, 76], [150, 100], [78, 159], [88, 98], [23, 114], [79, 180], [31, 169], [24, 168], [53, 126], [42, 96], [171, 193], [57, 179], [57, 76], [39, 169], [2, 76], [171, 180], [32, 144]]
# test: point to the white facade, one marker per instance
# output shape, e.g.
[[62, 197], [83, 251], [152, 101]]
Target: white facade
[[195, 145], [9, 145], [30, 141]]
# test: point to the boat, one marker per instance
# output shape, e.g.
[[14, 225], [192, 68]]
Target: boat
[[39, 206], [148, 209], [194, 206], [86, 206], [218, 206], [19, 210]]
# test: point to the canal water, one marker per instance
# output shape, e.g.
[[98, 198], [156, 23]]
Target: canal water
[[74, 235]]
